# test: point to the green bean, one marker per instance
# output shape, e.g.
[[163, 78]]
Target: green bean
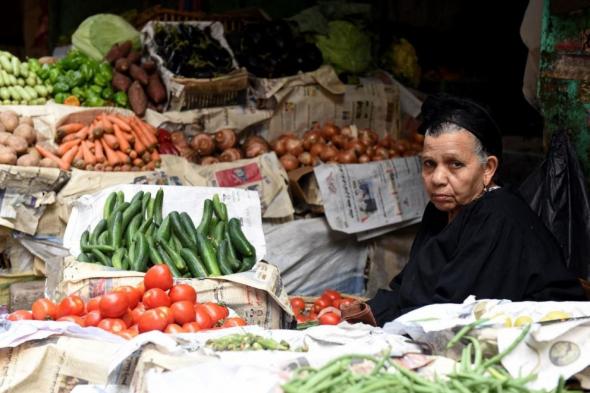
[[501, 355], [466, 329]]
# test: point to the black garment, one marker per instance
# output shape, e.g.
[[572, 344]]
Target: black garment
[[495, 248]]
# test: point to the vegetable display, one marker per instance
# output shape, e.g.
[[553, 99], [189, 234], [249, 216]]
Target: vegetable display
[[474, 373], [19, 84], [77, 79], [138, 79], [271, 49], [247, 342], [111, 142], [17, 140], [134, 235], [331, 144], [188, 51], [155, 304]]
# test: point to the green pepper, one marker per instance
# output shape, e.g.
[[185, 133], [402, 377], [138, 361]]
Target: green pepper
[[87, 72], [101, 80], [61, 87], [54, 74], [74, 78], [34, 65], [78, 92], [106, 70], [60, 97], [121, 99], [96, 89], [94, 100], [107, 93], [73, 60]]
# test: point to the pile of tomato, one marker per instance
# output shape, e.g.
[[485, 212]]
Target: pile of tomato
[[326, 309], [155, 304]]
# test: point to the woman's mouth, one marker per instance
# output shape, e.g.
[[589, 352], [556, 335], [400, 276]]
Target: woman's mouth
[[441, 198]]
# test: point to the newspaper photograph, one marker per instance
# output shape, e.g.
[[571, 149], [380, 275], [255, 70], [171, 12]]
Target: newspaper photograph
[[361, 197]]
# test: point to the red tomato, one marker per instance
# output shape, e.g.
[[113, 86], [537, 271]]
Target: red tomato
[[330, 318], [234, 321], [297, 303], [133, 295], [73, 318], [182, 292], [155, 297], [134, 329], [71, 305], [128, 318], [301, 318], [92, 304], [331, 294], [158, 276], [184, 311], [191, 327], [92, 318], [168, 312], [215, 311], [141, 288], [127, 334], [44, 309], [20, 315], [136, 313], [174, 329], [202, 318], [113, 325], [152, 320], [321, 303], [113, 305]]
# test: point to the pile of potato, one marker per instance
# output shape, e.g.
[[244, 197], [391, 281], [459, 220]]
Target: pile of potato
[[17, 140]]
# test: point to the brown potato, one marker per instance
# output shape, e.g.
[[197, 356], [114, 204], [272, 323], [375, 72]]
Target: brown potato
[[17, 143], [7, 156], [27, 132], [27, 160], [26, 120], [48, 163], [9, 119], [4, 137]]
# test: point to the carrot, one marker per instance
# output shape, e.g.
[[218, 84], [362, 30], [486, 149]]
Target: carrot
[[123, 158], [155, 156], [61, 149], [138, 162], [88, 157], [138, 145], [112, 158], [67, 129], [146, 132], [133, 154], [47, 154], [89, 167], [126, 168], [111, 140], [118, 121], [123, 143], [140, 133], [79, 155], [98, 152], [129, 136], [82, 134], [99, 167], [108, 126], [68, 158]]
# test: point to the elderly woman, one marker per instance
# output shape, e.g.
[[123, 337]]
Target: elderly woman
[[476, 238]]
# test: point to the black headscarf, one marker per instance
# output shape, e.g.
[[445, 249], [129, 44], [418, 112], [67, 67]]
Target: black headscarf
[[445, 108]]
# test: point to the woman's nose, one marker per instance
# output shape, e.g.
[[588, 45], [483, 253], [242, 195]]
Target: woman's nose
[[439, 176]]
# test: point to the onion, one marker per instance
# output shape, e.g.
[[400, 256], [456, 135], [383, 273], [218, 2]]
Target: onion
[[203, 144], [289, 162], [368, 137], [401, 146], [386, 142], [294, 146], [393, 153], [381, 151], [255, 146], [279, 147], [225, 139], [339, 141], [209, 160], [364, 158], [311, 137], [329, 130], [178, 139], [317, 149], [328, 153], [231, 154], [346, 157], [306, 159], [356, 145], [347, 131]]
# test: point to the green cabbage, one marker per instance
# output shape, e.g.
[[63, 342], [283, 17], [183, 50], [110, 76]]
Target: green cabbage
[[98, 33], [346, 47]]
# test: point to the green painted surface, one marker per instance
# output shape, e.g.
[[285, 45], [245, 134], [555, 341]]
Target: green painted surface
[[562, 104]]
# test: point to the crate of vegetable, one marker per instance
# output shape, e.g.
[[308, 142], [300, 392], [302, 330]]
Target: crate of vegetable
[[196, 64], [140, 226]]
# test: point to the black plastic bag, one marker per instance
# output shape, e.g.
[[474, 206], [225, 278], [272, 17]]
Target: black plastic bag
[[556, 191]]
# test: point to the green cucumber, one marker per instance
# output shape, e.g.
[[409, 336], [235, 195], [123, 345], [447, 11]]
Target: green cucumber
[[194, 264], [207, 254], [147, 197], [203, 227], [158, 206], [168, 261], [120, 208], [238, 240], [103, 239], [141, 253], [98, 229], [116, 231], [164, 231], [84, 239], [103, 259], [101, 247], [188, 226], [132, 228], [222, 258], [219, 208], [130, 212], [232, 258], [120, 197], [174, 256], [83, 257], [118, 259], [154, 254], [109, 205], [180, 231], [218, 233], [247, 263]]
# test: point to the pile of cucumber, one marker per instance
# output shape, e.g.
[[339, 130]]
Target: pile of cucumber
[[134, 236], [18, 84]]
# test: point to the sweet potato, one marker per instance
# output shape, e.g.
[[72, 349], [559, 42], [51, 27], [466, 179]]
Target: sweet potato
[[120, 82], [9, 119], [114, 53], [134, 57], [156, 89], [48, 163], [138, 74], [149, 66], [137, 98], [17, 143], [122, 64], [27, 160], [27, 132], [125, 48]]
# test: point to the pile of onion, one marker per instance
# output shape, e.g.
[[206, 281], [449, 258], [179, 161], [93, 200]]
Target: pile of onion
[[332, 144]]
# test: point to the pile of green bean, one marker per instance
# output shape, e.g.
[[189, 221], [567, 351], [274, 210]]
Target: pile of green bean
[[247, 342], [474, 373]]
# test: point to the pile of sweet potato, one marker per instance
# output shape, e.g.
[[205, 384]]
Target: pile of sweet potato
[[138, 77]]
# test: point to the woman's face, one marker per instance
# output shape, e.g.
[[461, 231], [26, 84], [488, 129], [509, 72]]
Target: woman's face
[[453, 173]]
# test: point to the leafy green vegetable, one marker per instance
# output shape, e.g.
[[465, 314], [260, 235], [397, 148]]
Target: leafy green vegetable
[[98, 33], [346, 47]]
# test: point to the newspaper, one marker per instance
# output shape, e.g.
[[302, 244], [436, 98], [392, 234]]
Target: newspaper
[[242, 204], [257, 295], [363, 197]]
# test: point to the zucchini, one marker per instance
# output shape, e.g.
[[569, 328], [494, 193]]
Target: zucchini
[[194, 264], [207, 254], [203, 227], [238, 240]]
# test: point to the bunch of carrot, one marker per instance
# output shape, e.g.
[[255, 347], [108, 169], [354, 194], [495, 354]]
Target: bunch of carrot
[[111, 142]]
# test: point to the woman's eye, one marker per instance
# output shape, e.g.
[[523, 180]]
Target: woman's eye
[[428, 164], [457, 164]]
